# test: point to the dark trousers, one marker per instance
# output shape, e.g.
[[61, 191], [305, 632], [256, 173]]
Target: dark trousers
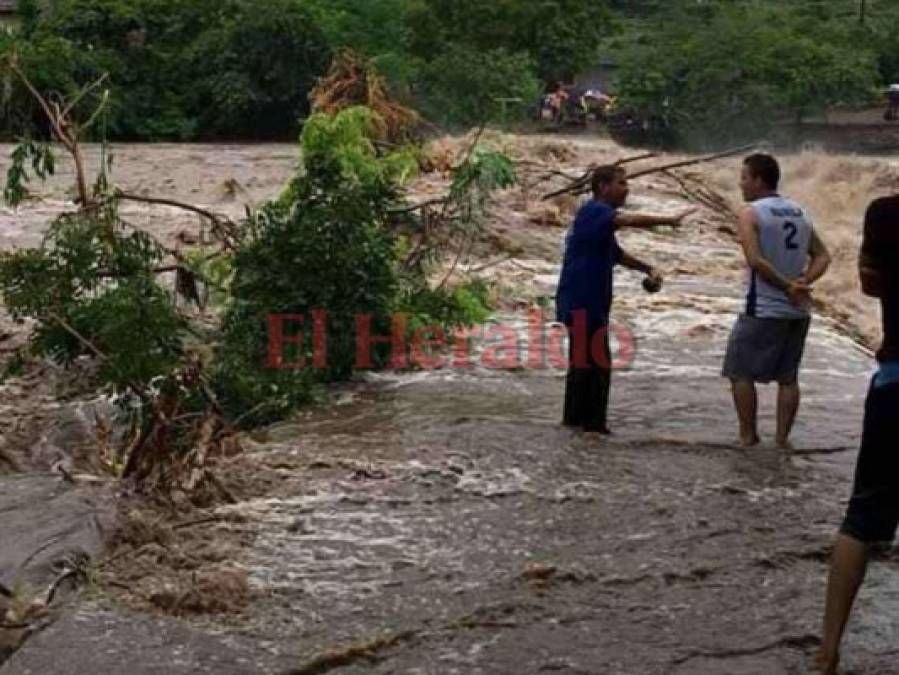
[[588, 382], [873, 512]]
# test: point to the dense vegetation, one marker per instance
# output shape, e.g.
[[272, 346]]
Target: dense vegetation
[[724, 71], [340, 245], [243, 68]]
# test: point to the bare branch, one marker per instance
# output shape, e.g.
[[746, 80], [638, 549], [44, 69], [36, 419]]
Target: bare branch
[[698, 160], [218, 222], [583, 185], [422, 205], [96, 114], [446, 204], [84, 92], [636, 158], [62, 130]]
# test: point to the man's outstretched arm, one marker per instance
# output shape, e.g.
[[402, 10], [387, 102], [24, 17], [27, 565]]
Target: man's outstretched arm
[[644, 220]]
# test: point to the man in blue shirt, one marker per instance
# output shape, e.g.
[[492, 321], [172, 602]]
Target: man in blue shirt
[[873, 513], [584, 295]]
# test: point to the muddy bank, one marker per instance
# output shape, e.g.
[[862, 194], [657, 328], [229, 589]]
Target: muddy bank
[[51, 534]]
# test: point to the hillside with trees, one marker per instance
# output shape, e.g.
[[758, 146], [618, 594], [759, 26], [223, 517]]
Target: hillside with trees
[[240, 69]]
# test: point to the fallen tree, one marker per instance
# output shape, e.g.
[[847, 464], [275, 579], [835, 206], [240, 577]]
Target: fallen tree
[[341, 238]]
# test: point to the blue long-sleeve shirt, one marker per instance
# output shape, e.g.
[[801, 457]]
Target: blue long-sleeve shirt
[[591, 253]]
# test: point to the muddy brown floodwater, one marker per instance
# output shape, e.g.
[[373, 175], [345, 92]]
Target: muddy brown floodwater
[[441, 521]]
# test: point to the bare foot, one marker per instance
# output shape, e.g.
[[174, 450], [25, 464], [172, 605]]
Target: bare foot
[[785, 444], [825, 664], [749, 442]]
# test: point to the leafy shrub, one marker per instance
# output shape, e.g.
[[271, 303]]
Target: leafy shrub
[[323, 246], [330, 243], [92, 285]]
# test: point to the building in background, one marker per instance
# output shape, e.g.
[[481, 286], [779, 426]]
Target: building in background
[[8, 14]]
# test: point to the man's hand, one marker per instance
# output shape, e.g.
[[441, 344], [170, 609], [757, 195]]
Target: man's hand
[[799, 293], [653, 281]]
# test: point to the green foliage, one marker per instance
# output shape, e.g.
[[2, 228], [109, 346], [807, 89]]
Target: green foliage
[[463, 305], [179, 70], [253, 68], [43, 164], [92, 285], [561, 36], [373, 28], [216, 270], [329, 244], [345, 145], [477, 178], [462, 86], [243, 68], [725, 73], [881, 33], [324, 246]]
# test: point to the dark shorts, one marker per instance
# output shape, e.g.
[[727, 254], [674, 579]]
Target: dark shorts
[[765, 350], [873, 512]]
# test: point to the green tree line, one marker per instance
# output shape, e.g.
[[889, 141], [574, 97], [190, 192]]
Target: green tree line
[[203, 69], [725, 71]]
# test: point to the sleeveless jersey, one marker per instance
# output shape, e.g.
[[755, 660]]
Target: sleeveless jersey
[[785, 235]]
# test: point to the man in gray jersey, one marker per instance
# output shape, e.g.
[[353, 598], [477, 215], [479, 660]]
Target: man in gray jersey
[[785, 257]]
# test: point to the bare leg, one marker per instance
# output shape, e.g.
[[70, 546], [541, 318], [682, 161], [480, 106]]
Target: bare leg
[[847, 571], [788, 396], [747, 404]]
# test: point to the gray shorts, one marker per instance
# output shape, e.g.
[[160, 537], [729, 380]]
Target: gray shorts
[[765, 350]]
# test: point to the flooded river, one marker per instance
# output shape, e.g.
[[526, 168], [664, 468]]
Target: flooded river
[[442, 522]]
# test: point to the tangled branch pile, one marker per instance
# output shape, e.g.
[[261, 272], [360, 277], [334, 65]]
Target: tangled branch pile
[[351, 81]]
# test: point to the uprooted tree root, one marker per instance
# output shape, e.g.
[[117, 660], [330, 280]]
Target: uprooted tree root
[[352, 81]]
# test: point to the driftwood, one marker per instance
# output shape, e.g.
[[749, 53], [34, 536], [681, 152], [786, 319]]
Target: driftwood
[[584, 179], [698, 160], [637, 158], [697, 191], [582, 184], [223, 227]]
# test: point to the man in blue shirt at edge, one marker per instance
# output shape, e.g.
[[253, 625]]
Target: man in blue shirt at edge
[[872, 516], [584, 295]]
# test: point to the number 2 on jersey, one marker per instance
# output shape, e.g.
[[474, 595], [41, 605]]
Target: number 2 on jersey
[[792, 232]]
